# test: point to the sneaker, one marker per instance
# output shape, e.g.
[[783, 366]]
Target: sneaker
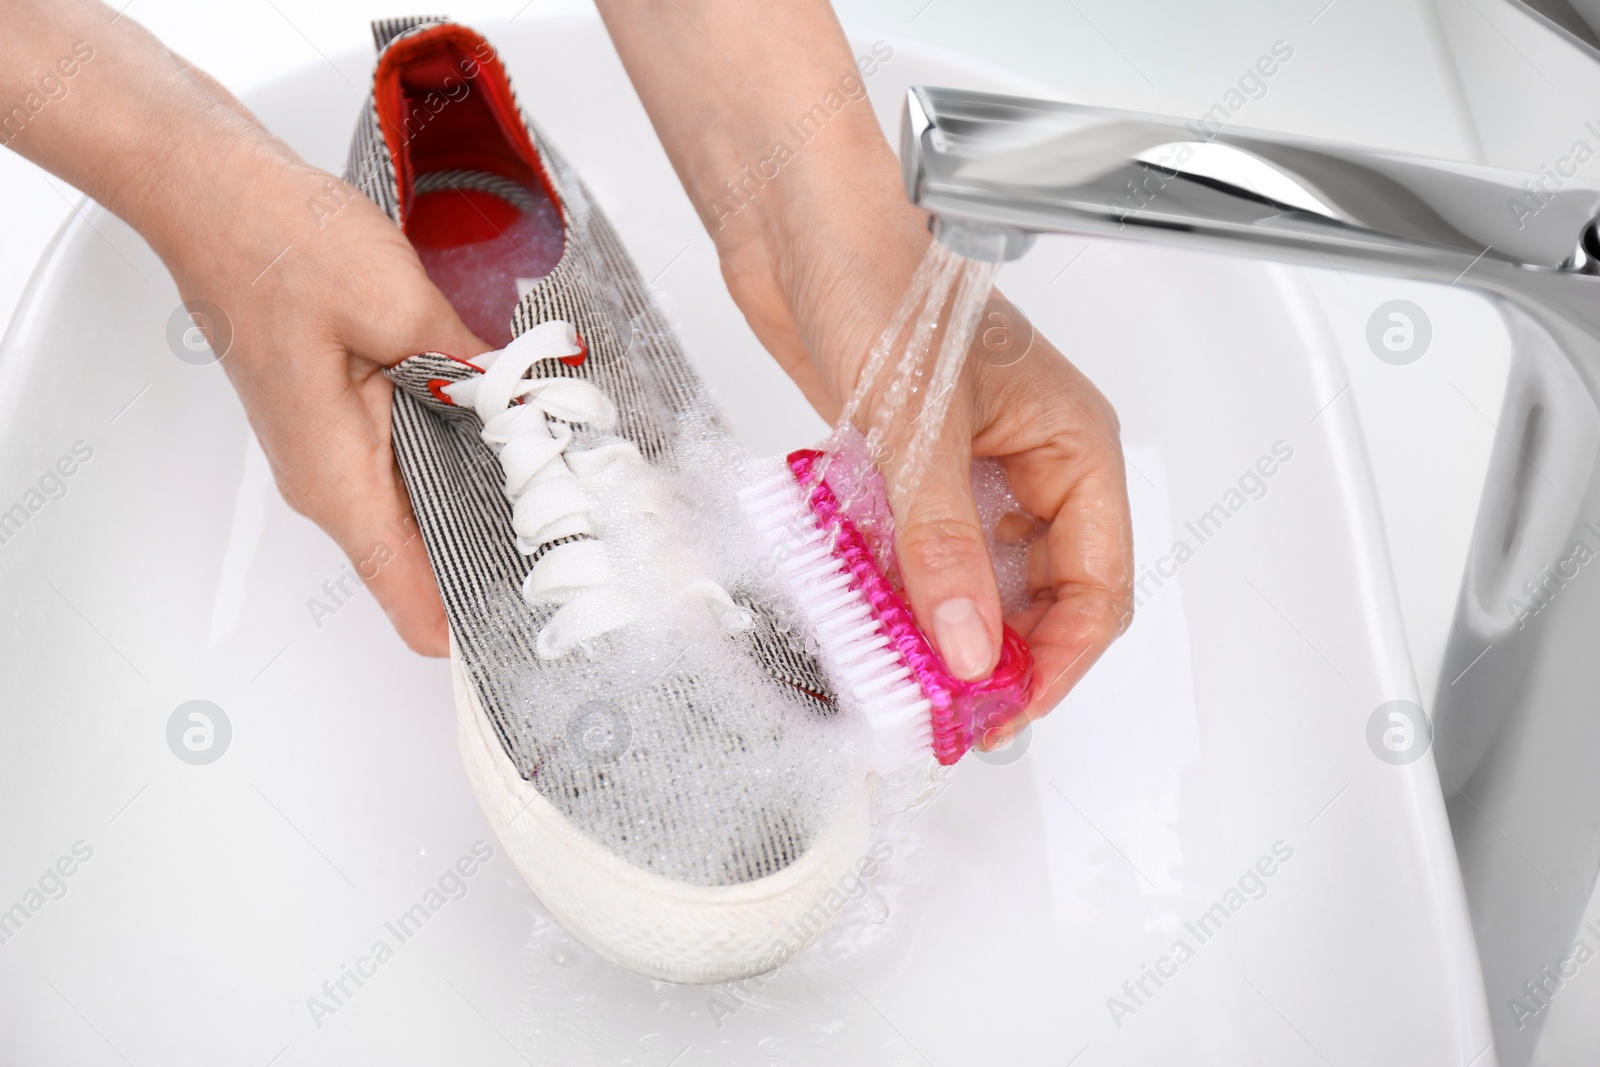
[[658, 755]]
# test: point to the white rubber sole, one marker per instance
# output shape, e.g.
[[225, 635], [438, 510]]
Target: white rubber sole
[[638, 919]]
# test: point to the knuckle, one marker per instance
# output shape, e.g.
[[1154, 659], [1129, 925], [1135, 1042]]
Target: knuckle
[[412, 325], [301, 502], [1099, 414], [288, 486], [941, 544], [295, 501], [1109, 419]]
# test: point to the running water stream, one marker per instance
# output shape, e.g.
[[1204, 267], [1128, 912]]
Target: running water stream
[[923, 351], [893, 420]]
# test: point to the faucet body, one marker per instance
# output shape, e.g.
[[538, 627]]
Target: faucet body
[[1516, 723]]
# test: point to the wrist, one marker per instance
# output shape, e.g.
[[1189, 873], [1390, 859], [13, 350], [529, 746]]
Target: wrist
[[780, 197], [233, 199], [187, 191], [833, 224]]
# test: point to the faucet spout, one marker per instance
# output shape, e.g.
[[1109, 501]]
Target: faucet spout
[[1039, 166], [988, 241]]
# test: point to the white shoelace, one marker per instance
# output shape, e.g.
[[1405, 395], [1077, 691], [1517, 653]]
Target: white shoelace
[[554, 489]]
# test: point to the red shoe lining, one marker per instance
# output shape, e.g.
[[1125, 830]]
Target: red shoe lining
[[444, 103]]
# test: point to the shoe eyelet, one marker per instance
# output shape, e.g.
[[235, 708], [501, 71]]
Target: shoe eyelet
[[436, 387], [582, 353]]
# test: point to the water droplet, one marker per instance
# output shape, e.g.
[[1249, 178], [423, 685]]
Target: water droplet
[[565, 954], [880, 906]]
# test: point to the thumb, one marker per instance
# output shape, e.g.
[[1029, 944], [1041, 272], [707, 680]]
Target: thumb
[[431, 324], [944, 561]]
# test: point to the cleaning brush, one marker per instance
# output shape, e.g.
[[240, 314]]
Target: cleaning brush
[[883, 666]]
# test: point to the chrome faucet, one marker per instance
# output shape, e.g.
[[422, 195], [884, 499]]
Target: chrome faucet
[[1517, 707]]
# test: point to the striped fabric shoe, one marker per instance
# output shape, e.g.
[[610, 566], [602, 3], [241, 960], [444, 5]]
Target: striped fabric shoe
[[658, 756]]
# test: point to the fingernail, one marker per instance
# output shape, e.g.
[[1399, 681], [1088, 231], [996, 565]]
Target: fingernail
[[963, 639]]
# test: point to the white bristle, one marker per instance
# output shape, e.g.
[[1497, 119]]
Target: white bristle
[[842, 616], [873, 684], [833, 585], [872, 678], [882, 662], [855, 648]]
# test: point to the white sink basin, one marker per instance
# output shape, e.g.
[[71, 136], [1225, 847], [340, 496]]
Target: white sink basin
[[1025, 908]]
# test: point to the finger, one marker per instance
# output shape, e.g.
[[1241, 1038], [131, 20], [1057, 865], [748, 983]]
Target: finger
[[380, 536], [1088, 602], [387, 336], [1080, 573], [396, 570], [944, 557]]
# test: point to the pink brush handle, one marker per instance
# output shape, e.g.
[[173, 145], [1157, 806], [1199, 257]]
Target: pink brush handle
[[962, 711]]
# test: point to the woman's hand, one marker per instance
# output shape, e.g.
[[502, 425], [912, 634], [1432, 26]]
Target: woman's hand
[[818, 278], [321, 292], [311, 291]]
